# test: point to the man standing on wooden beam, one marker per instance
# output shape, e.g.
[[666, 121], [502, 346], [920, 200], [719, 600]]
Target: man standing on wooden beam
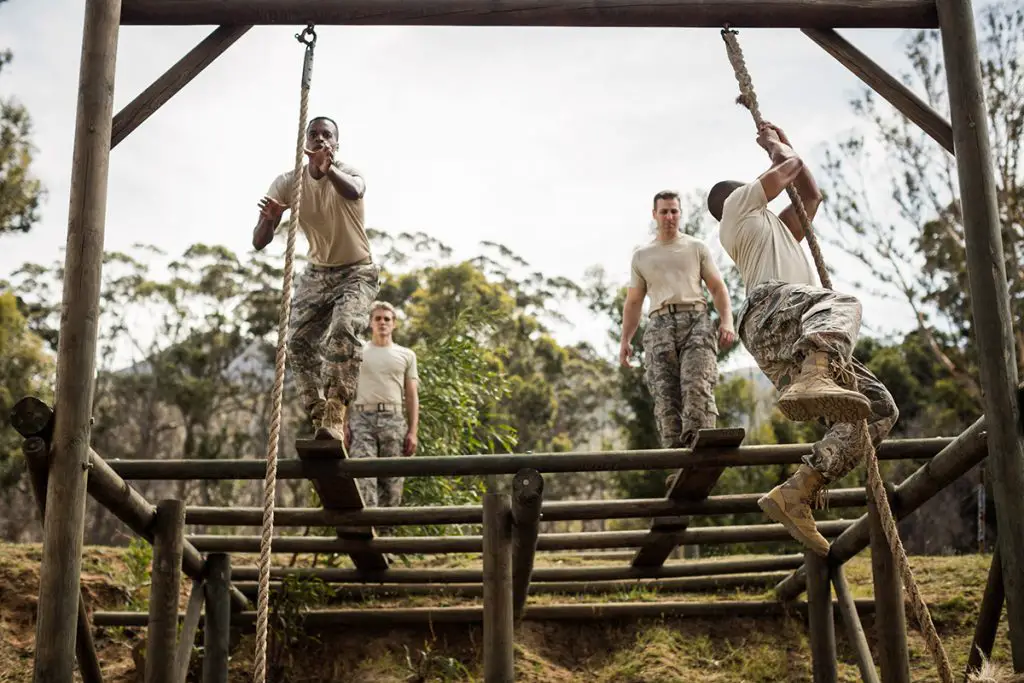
[[801, 334], [680, 342], [376, 426], [333, 296]]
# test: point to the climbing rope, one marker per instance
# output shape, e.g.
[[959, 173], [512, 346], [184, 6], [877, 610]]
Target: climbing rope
[[307, 38], [876, 487]]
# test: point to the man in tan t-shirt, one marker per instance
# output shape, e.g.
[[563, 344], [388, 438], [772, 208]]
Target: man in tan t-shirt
[[680, 343], [333, 295], [801, 335], [376, 426]]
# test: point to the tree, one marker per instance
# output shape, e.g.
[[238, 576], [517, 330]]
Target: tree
[[20, 192]]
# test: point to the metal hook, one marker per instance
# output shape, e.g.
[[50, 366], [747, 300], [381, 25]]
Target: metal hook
[[307, 37]]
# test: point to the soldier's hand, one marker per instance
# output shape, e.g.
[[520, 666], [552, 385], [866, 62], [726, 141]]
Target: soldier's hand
[[271, 208], [726, 336], [625, 351], [321, 158], [410, 444]]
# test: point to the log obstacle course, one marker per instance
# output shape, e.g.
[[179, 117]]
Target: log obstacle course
[[66, 470], [511, 539]]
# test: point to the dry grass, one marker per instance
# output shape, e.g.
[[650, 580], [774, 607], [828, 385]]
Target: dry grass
[[649, 651]]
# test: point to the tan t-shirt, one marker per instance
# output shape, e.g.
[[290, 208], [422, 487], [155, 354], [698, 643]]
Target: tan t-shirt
[[383, 373], [672, 272], [759, 242], [332, 224]]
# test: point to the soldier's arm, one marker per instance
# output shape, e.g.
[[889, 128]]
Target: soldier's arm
[[631, 319], [806, 187], [720, 295], [347, 181], [412, 404]]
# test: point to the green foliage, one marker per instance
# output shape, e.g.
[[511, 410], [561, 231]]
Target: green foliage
[[288, 638], [138, 560], [20, 192]]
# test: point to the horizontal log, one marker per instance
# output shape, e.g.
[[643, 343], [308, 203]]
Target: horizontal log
[[751, 533], [466, 465], [553, 511], [384, 617], [612, 573], [474, 590], [966, 451], [608, 13]]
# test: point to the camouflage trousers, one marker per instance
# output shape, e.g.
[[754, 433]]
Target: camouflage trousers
[[681, 371], [378, 435], [780, 324], [330, 307]]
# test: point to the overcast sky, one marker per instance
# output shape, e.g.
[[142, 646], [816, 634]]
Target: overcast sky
[[550, 141]]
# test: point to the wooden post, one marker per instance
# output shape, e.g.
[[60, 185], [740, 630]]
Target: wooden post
[[986, 271], [820, 624], [188, 631], [854, 629], [34, 450], [63, 528], [499, 665], [217, 627], [988, 616], [890, 618], [162, 633], [527, 496]]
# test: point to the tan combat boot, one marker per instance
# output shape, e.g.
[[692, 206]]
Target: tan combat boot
[[789, 504], [332, 425], [315, 412], [814, 394]]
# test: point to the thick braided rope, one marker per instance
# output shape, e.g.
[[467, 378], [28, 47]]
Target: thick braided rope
[[270, 483], [918, 606]]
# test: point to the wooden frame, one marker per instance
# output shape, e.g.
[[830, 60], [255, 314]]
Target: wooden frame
[[72, 466]]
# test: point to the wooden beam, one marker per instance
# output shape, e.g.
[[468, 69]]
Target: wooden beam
[[820, 623], [890, 614], [527, 495], [332, 462], [641, 13], [499, 663], [63, 529], [183, 654], [217, 629], [993, 324], [854, 629], [879, 80], [988, 616], [692, 485], [165, 587], [173, 80], [954, 461]]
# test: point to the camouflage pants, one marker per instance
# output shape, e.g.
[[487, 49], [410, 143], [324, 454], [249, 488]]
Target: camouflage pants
[[331, 306], [780, 324], [681, 371], [378, 435]]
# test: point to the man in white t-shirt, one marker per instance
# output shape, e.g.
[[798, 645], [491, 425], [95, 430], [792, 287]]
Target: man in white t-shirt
[[376, 426], [801, 335], [680, 342]]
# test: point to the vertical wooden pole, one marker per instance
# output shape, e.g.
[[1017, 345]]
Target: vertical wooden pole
[[165, 587], [217, 627], [890, 618], [820, 624], [986, 271], [854, 629], [63, 528], [988, 616], [527, 496], [499, 665]]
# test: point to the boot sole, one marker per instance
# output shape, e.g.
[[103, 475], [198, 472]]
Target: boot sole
[[810, 407], [774, 512], [325, 434]]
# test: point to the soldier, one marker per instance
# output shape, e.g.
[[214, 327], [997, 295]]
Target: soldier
[[801, 335], [376, 426], [334, 293], [680, 344]]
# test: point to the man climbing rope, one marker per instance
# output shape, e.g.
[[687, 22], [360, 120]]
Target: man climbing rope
[[333, 295], [801, 335], [680, 344], [376, 425]]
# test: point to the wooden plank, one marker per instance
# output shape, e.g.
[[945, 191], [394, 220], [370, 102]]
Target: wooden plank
[[183, 655], [820, 622], [988, 616], [527, 496], [499, 663], [641, 13], [993, 324], [173, 80], [217, 626], [61, 566], [165, 587], [339, 492], [890, 615], [854, 629], [691, 484], [886, 85]]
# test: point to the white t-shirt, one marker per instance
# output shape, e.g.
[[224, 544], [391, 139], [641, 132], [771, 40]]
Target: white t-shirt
[[759, 242], [383, 373], [672, 272]]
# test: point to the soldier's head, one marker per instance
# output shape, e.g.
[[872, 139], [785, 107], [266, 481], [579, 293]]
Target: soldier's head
[[718, 194], [382, 320], [666, 212], [320, 131]]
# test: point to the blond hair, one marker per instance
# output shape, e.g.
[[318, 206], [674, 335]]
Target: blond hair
[[379, 305]]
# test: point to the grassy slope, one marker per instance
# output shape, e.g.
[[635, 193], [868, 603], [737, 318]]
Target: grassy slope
[[655, 651]]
